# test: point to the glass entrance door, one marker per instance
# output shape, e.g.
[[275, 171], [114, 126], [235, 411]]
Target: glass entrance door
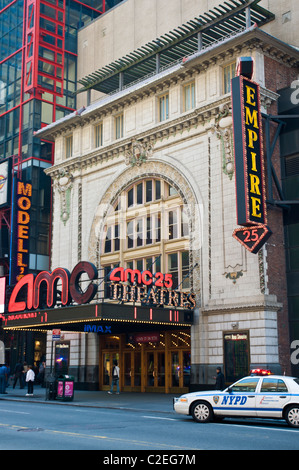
[[155, 369], [146, 367], [108, 359], [132, 371], [137, 369], [180, 369], [128, 369]]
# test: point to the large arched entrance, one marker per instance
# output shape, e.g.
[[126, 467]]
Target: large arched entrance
[[146, 222]]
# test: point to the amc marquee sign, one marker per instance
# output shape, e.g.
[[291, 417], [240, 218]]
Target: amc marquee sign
[[249, 160], [53, 298]]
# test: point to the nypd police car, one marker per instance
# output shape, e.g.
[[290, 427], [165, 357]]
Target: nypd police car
[[273, 396]]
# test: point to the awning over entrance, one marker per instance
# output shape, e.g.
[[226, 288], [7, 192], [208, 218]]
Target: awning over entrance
[[83, 317]]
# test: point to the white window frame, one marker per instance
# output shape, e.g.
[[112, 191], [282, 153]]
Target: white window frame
[[98, 135], [189, 96], [69, 146]]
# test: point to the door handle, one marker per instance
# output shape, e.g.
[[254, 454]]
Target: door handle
[[250, 396], [283, 396]]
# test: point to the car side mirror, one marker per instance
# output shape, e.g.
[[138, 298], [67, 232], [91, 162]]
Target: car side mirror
[[230, 389]]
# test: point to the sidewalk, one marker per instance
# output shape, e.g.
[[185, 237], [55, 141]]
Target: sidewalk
[[155, 402]]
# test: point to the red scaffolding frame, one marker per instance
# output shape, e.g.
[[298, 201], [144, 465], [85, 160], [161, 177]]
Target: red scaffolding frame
[[44, 46]]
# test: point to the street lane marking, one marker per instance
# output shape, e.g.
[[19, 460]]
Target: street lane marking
[[144, 444], [262, 428], [157, 417], [15, 412]]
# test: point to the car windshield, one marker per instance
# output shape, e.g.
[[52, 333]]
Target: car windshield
[[245, 385], [296, 381]]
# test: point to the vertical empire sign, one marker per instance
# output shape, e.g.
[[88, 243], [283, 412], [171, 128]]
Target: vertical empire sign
[[20, 222], [249, 160]]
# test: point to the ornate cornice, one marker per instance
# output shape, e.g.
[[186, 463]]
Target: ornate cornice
[[266, 303], [147, 139]]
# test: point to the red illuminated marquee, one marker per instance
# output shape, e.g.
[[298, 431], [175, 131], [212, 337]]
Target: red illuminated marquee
[[126, 285], [144, 277], [132, 285], [69, 287]]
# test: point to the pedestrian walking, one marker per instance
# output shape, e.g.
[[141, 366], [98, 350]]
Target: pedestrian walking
[[30, 376], [41, 373], [3, 378], [8, 375], [220, 381], [24, 372], [115, 378], [18, 374]]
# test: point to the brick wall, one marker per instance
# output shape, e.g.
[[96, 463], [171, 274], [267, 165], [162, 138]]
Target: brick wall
[[278, 76]]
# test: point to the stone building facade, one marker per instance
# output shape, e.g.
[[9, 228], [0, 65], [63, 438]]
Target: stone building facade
[[176, 133]]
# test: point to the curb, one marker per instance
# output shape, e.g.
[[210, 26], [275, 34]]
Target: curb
[[83, 405]]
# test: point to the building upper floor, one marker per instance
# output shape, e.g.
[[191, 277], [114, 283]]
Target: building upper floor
[[185, 95], [134, 26]]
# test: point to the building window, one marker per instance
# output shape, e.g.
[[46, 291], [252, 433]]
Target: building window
[[178, 266], [163, 107], [228, 73], [172, 224], [108, 244], [189, 96], [185, 270], [98, 135], [143, 192], [148, 228], [119, 126], [69, 146], [173, 268], [178, 223], [112, 239]]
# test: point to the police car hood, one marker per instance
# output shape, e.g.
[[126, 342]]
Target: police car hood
[[204, 393]]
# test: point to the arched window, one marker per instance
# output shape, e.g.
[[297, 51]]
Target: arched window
[[148, 229]]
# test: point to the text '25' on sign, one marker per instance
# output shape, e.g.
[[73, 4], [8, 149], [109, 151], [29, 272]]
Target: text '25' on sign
[[252, 238]]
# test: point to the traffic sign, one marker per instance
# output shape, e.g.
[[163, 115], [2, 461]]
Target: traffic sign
[[56, 335], [254, 237]]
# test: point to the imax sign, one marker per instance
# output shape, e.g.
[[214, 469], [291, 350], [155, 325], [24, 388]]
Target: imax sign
[[97, 329]]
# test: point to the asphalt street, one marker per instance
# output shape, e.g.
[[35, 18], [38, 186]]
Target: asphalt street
[[128, 422]]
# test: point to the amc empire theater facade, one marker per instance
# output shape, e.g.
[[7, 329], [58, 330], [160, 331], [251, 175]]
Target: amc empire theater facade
[[145, 203]]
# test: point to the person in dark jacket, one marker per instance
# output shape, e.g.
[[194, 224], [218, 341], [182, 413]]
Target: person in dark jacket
[[3, 377], [220, 381], [19, 374]]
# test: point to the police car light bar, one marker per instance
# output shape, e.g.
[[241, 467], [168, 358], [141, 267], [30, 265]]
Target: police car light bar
[[260, 372]]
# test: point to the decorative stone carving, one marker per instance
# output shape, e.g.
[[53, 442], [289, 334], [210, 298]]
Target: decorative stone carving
[[224, 131], [138, 153], [234, 275], [64, 184]]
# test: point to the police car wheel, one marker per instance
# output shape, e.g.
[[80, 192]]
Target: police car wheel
[[292, 416], [201, 412]]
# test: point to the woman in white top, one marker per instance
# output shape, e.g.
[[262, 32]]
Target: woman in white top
[[115, 378], [30, 376]]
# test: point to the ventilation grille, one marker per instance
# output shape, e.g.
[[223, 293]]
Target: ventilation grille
[[292, 166]]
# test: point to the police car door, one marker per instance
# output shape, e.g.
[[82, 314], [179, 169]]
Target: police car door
[[240, 398], [272, 398]]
